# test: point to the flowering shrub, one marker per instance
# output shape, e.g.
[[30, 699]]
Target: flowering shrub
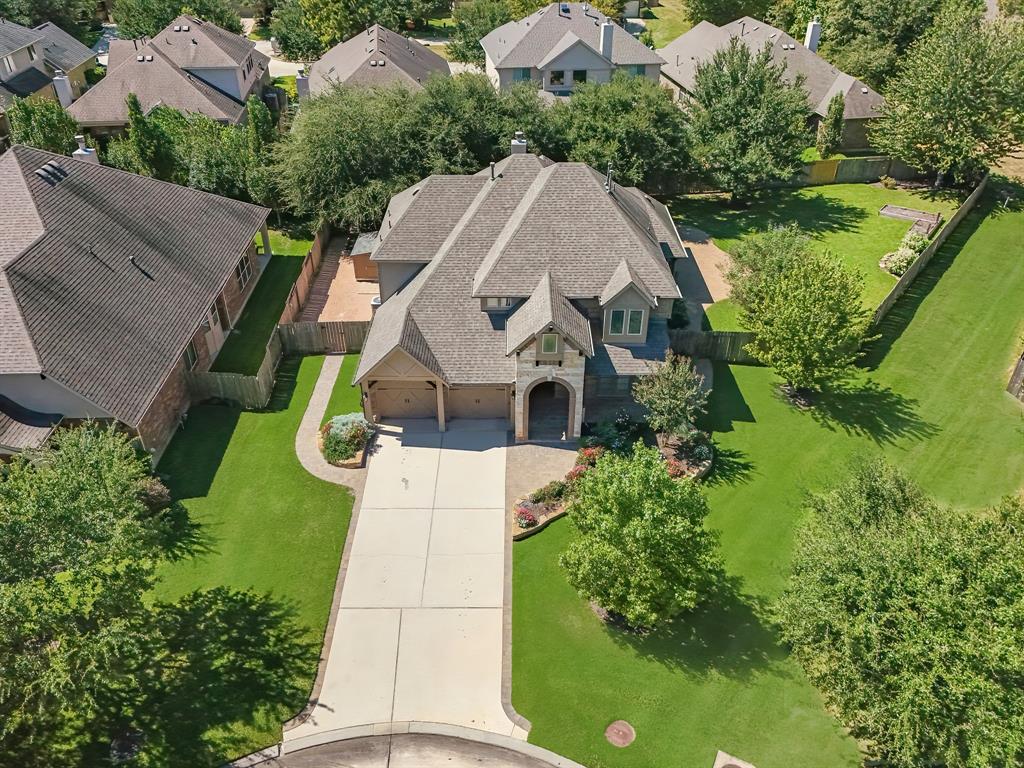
[[675, 467], [915, 241], [588, 456], [617, 435], [888, 182], [576, 473], [344, 436], [898, 261], [525, 518], [553, 491]]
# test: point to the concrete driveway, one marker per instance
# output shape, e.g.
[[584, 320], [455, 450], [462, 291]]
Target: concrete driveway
[[419, 634]]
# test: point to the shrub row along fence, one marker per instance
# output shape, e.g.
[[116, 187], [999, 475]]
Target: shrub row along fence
[[926, 255], [299, 293], [846, 170], [724, 346], [1016, 385]]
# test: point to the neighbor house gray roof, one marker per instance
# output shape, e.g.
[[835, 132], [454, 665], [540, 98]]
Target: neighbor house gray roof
[[156, 81], [535, 218], [14, 37], [377, 56], [108, 274], [547, 309], [61, 50], [26, 82], [821, 79], [195, 44], [530, 41]]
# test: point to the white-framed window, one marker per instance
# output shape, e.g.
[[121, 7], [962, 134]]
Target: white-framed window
[[522, 75], [9, 64], [579, 76], [549, 343], [32, 55], [243, 271], [497, 303], [617, 322], [636, 322], [191, 355], [556, 77]]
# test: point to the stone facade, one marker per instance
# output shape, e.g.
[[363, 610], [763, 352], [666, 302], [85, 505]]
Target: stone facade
[[568, 371]]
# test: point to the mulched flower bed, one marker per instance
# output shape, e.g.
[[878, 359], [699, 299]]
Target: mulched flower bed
[[681, 466]]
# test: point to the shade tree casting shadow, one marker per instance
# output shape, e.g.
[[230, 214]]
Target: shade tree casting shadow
[[870, 410]]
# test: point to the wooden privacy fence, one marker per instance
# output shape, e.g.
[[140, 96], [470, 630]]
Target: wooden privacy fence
[[926, 255], [725, 346], [1016, 385], [299, 293], [323, 338], [847, 170], [247, 391]]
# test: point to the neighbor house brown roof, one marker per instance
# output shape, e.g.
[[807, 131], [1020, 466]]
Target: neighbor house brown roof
[[822, 80], [108, 274], [377, 56]]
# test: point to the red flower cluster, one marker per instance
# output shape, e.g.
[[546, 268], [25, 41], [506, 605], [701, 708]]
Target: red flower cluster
[[675, 467], [588, 457], [576, 473], [525, 518]]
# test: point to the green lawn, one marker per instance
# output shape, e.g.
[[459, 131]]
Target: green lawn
[[258, 521], [812, 155], [842, 218], [345, 398], [667, 21], [930, 397], [246, 346]]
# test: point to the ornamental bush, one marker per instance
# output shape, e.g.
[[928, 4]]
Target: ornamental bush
[[344, 436], [898, 262], [915, 241], [643, 551], [553, 491]]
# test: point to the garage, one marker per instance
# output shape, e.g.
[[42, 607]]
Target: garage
[[404, 400], [478, 403]]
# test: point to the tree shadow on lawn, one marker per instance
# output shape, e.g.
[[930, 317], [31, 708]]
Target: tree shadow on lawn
[[224, 656], [814, 213], [180, 536], [871, 410], [194, 455], [724, 636]]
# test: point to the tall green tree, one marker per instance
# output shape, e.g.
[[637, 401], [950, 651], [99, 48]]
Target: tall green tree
[[673, 394], [747, 124], [830, 129], [42, 124], [957, 106], [805, 311], [148, 146], [137, 18], [724, 11], [70, 15], [631, 123], [298, 41], [473, 20], [77, 548], [334, 20], [643, 551], [908, 617]]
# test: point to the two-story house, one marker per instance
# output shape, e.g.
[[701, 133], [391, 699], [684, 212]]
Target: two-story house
[[112, 287], [191, 65], [821, 79], [533, 292], [22, 72], [562, 45]]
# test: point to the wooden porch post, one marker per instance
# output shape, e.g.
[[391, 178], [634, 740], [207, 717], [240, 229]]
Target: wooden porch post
[[440, 407]]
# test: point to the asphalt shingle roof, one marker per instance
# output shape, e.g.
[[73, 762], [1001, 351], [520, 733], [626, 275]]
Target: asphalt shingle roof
[[21, 428], [527, 42], [357, 61], [512, 231], [14, 37], [61, 50], [821, 79], [622, 278], [158, 81], [117, 282], [548, 308], [195, 44], [27, 82]]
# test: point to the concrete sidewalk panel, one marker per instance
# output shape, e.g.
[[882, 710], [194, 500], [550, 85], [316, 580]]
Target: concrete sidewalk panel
[[467, 531], [473, 581], [471, 472], [392, 532], [383, 581]]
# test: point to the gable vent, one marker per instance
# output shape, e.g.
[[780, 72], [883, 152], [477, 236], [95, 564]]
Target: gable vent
[[52, 173]]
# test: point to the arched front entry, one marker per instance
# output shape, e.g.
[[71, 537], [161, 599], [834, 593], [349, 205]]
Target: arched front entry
[[549, 407]]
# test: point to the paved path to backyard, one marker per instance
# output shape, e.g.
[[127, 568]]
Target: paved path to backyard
[[419, 631], [702, 279]]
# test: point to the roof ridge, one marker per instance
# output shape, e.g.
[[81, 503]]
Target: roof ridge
[[14, 151], [512, 225]]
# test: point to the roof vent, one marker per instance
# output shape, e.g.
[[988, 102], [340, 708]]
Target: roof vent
[[373, 62], [177, 27], [380, 63], [140, 57], [149, 58], [564, 8], [52, 173], [184, 28], [863, 90]]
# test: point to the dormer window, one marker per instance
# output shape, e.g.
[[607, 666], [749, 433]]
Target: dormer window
[[8, 64], [626, 322], [497, 304], [32, 55], [549, 343]]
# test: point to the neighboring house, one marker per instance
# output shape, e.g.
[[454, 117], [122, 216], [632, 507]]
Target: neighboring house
[[22, 71], [192, 66], [821, 79], [67, 56], [561, 45], [377, 56], [112, 286], [533, 292]]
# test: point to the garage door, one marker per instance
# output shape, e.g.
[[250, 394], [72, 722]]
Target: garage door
[[478, 403], [409, 401]]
